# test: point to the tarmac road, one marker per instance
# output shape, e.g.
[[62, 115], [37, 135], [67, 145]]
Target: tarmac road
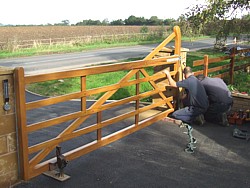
[[58, 62]]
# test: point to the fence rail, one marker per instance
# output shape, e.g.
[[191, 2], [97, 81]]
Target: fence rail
[[228, 68]]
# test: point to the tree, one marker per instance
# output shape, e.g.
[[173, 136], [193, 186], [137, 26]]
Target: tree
[[65, 22], [132, 20], [117, 22], [246, 17], [169, 21], [105, 22], [215, 11], [89, 22], [218, 9], [154, 21]]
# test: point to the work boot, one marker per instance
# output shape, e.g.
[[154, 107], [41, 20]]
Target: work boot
[[224, 121], [199, 120]]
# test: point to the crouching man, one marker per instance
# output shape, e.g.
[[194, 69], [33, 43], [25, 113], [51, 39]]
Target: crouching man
[[196, 96], [220, 99]]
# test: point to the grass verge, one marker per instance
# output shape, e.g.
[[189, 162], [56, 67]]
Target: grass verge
[[45, 50]]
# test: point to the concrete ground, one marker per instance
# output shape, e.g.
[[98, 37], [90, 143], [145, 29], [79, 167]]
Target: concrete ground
[[155, 157]]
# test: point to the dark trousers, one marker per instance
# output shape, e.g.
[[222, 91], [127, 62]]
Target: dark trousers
[[188, 114], [215, 111]]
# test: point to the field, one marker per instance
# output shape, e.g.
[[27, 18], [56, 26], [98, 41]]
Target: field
[[15, 38], [46, 32]]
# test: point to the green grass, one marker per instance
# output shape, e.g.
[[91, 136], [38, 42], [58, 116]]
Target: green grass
[[191, 39], [241, 82], [55, 87]]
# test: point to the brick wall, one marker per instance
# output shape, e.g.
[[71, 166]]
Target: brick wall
[[8, 141]]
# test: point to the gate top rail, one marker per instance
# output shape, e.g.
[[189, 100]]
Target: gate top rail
[[100, 69]]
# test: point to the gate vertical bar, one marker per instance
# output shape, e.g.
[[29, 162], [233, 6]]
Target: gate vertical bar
[[99, 131], [83, 90], [21, 122], [138, 100]]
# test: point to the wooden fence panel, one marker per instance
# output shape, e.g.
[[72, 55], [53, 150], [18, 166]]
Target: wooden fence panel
[[227, 68]]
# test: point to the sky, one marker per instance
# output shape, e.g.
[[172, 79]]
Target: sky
[[25, 12]]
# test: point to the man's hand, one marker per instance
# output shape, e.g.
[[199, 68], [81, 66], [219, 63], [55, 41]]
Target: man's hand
[[170, 79], [166, 72]]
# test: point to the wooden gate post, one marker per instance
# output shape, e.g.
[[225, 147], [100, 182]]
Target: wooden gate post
[[21, 122]]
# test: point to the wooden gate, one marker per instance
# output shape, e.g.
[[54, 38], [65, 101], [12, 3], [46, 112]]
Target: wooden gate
[[36, 158]]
